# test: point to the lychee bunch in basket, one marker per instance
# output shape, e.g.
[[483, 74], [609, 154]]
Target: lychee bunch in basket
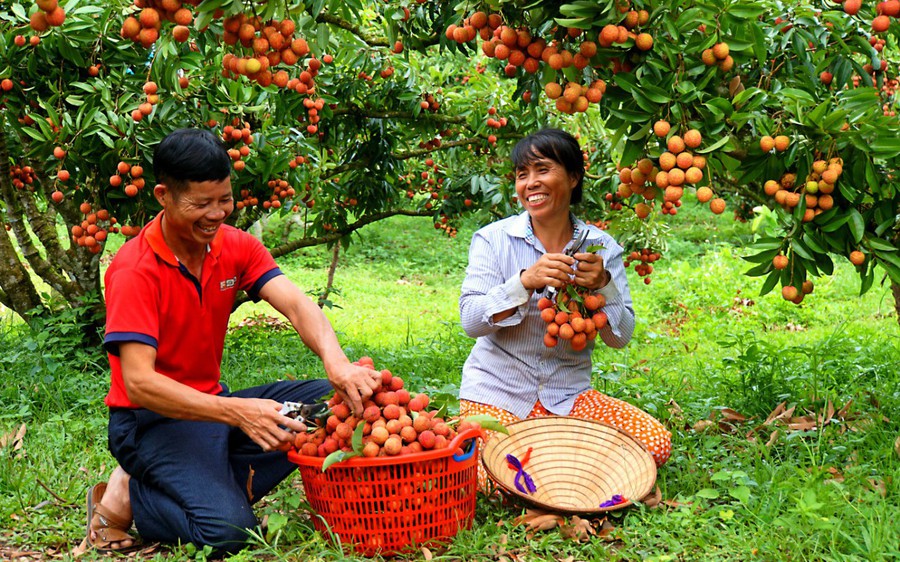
[[574, 315], [393, 423]]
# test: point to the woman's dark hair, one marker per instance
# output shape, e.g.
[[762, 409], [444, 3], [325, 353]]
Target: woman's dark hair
[[190, 155], [557, 145]]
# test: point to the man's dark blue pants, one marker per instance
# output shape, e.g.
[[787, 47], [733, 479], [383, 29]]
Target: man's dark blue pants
[[190, 480]]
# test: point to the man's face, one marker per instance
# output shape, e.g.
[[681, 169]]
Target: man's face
[[193, 218]]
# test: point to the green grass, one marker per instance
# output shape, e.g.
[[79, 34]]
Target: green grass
[[704, 339]]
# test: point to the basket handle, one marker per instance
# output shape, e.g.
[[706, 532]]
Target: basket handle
[[466, 440]]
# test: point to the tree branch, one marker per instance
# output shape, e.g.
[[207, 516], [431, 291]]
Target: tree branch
[[424, 116], [285, 249], [366, 38], [444, 145]]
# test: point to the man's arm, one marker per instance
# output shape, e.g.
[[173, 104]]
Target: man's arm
[[353, 382], [258, 418]]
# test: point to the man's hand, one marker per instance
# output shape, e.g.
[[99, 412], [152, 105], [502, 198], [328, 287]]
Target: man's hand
[[355, 384], [260, 419]]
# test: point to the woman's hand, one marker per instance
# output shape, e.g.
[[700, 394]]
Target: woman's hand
[[590, 273], [551, 270]]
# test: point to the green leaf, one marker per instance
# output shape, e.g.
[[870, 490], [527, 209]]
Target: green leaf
[[813, 118], [740, 493], [276, 522], [767, 243], [801, 250], [759, 45], [794, 93], [886, 146], [769, 284], [708, 493], [19, 11], [857, 225], [337, 457], [881, 244], [488, 422], [824, 263], [594, 248], [34, 133], [836, 223], [715, 146], [356, 441], [579, 23], [745, 10]]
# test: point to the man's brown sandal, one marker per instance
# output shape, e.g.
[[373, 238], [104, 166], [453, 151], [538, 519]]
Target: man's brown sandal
[[109, 527]]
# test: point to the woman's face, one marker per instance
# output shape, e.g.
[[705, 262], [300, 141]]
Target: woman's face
[[544, 188]]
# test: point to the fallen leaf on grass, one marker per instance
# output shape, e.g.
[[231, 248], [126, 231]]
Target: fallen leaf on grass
[[426, 554], [703, 425], [537, 520], [676, 504], [606, 529], [877, 486], [834, 475], [652, 499], [15, 439], [897, 446], [577, 529]]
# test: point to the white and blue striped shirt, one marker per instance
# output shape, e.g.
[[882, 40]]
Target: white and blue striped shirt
[[509, 367]]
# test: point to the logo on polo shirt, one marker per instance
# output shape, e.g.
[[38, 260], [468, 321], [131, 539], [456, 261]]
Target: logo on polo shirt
[[227, 284]]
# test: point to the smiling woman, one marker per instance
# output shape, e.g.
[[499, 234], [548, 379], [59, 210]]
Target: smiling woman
[[514, 370]]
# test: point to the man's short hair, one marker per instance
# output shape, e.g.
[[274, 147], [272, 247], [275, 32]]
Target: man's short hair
[[187, 155]]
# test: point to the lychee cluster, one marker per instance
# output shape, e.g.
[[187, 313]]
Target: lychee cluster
[[145, 27], [146, 108], [719, 56], [22, 177], [675, 168], [394, 422], [644, 259], [574, 315], [130, 175], [519, 49], [815, 190], [238, 137], [49, 14], [265, 46], [93, 230]]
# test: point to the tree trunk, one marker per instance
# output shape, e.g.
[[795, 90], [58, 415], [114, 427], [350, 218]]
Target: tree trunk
[[335, 257]]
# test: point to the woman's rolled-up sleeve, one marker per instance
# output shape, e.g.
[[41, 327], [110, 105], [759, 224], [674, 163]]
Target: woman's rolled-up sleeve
[[485, 291]]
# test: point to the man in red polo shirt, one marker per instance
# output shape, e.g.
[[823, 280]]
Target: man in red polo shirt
[[193, 455]]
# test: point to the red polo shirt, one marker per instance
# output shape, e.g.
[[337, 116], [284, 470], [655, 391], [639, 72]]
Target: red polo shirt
[[153, 299]]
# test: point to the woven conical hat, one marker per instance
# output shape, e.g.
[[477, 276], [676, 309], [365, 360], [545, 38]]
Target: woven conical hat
[[576, 464]]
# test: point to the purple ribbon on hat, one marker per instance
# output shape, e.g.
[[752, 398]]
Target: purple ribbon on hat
[[615, 500], [528, 487]]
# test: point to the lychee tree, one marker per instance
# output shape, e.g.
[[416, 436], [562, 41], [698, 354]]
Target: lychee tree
[[784, 111], [337, 114], [340, 114]]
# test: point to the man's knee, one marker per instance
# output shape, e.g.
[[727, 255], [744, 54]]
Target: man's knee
[[228, 532]]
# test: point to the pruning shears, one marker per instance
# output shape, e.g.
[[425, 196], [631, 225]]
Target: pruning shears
[[305, 413], [571, 251]]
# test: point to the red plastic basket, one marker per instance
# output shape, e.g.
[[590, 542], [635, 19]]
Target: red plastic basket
[[386, 505]]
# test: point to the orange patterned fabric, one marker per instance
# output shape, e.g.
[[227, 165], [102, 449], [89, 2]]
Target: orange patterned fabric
[[592, 405]]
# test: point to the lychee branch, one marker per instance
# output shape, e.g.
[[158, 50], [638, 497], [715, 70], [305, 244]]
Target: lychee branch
[[371, 40], [337, 234]]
